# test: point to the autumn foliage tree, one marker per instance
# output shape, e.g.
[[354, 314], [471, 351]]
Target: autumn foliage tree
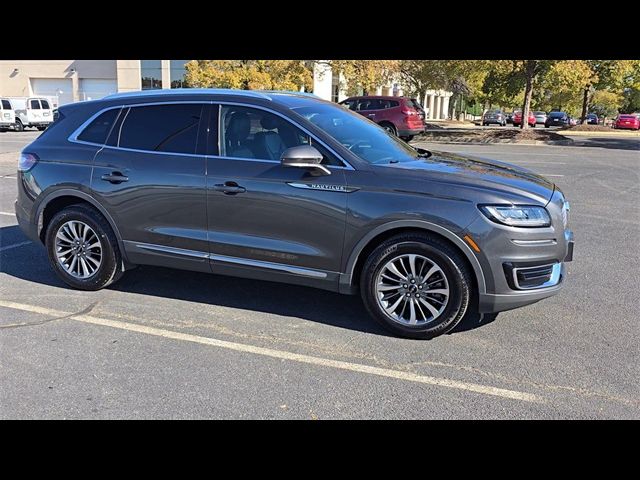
[[363, 75], [250, 74]]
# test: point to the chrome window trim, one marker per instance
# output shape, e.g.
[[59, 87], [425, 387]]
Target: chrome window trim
[[283, 267], [74, 135], [552, 282]]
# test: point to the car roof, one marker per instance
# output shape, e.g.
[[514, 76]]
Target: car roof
[[378, 97], [271, 95]]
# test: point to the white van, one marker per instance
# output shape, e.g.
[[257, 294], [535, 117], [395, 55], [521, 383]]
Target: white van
[[7, 115], [32, 112]]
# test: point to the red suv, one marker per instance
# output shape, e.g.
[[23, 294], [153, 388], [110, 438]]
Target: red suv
[[401, 116], [627, 121], [517, 119]]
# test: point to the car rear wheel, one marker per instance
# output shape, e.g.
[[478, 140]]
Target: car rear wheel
[[19, 126], [42, 128], [416, 285], [407, 138], [389, 127], [82, 248]]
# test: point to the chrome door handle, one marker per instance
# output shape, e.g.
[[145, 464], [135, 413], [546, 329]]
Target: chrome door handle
[[229, 188], [115, 177]]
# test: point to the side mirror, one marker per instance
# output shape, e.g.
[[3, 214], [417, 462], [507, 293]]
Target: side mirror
[[304, 156]]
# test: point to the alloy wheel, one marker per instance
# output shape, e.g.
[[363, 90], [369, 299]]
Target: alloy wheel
[[412, 289], [78, 249]]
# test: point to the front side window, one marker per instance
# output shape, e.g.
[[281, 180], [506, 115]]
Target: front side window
[[45, 104], [364, 138], [98, 130], [161, 128], [251, 133], [6, 105], [34, 105]]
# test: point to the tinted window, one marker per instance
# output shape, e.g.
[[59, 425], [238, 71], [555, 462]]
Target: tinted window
[[162, 128], [557, 114], [6, 105], [350, 104], [45, 104], [34, 104], [412, 102], [370, 104], [252, 133], [98, 130]]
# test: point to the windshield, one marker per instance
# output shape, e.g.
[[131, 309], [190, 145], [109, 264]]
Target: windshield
[[364, 138], [557, 114]]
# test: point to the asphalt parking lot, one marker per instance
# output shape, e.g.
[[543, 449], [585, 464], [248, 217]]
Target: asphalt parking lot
[[172, 344]]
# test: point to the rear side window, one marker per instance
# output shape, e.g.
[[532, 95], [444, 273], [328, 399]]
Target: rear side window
[[98, 130], [350, 104], [45, 104], [370, 104], [34, 104], [162, 128], [6, 105]]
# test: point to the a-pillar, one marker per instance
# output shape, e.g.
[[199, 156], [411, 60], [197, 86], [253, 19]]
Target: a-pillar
[[444, 113]]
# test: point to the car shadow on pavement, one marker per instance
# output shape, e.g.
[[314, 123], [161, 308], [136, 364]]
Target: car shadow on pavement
[[30, 263], [608, 142]]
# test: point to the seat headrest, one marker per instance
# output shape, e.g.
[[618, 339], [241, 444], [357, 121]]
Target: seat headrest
[[269, 122]]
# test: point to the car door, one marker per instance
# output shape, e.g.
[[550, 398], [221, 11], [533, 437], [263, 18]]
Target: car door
[[266, 220], [34, 111], [151, 179], [47, 113], [371, 109]]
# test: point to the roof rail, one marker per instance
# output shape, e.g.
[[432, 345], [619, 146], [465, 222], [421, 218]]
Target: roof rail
[[191, 91]]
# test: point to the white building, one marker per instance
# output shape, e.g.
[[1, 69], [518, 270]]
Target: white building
[[327, 85]]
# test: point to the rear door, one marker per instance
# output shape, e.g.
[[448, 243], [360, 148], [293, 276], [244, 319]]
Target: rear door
[[151, 179], [370, 108], [34, 111], [47, 111]]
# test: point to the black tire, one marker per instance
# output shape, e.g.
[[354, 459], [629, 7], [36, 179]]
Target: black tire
[[446, 257], [390, 127], [407, 138], [110, 269], [546, 126], [42, 128], [19, 126]]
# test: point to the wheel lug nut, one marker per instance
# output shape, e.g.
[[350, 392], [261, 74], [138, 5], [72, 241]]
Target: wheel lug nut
[[417, 295], [413, 281], [405, 286], [420, 287], [408, 294]]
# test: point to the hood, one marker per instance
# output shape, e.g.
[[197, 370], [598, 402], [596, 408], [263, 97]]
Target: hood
[[476, 172]]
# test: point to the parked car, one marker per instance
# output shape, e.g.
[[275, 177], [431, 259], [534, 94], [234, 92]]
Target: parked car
[[541, 117], [510, 117], [401, 116], [557, 119], [592, 119], [494, 116], [32, 112], [7, 115], [627, 122], [517, 119], [290, 188]]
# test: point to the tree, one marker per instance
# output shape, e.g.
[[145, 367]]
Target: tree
[[250, 74], [561, 86], [605, 103], [365, 75], [605, 75]]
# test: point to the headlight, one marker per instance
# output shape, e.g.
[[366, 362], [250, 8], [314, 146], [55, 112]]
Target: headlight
[[517, 215]]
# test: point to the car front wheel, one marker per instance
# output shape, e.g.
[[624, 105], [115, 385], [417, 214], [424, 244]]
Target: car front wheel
[[416, 285], [82, 248]]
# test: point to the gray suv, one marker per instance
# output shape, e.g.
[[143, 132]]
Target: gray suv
[[289, 188]]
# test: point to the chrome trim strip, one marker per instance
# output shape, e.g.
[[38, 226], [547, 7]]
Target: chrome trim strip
[[305, 272], [270, 265], [190, 91], [535, 243], [173, 250], [552, 282]]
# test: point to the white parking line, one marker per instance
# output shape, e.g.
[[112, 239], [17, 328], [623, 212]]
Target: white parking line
[[8, 214], [15, 245], [281, 354]]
